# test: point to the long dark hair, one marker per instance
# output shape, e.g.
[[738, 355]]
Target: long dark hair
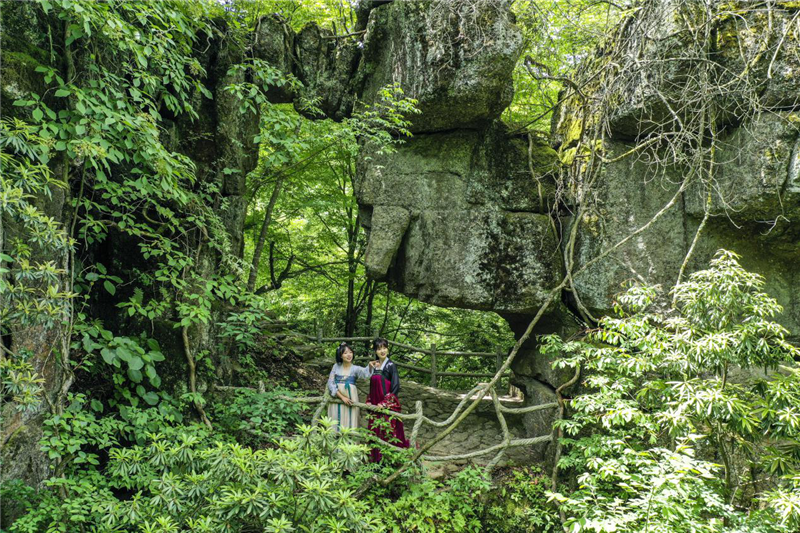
[[380, 342], [340, 350]]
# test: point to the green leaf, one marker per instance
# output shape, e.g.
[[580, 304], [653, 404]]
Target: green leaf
[[135, 375], [135, 363], [151, 398], [150, 370], [110, 287], [62, 93], [97, 406], [124, 354], [37, 114], [88, 344], [108, 356]]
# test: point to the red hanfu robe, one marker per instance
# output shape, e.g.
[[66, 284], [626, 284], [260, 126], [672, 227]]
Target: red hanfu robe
[[380, 396]]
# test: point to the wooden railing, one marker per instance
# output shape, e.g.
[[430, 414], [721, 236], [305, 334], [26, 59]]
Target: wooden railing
[[418, 417], [499, 356]]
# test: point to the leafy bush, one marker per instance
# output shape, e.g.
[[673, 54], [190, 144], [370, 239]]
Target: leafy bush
[[468, 502], [183, 478], [428, 506], [518, 503], [256, 418], [660, 408]]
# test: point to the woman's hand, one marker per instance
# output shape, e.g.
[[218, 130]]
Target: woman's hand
[[374, 364], [345, 399]]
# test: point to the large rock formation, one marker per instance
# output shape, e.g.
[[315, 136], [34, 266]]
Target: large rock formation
[[458, 217], [458, 214], [751, 194], [454, 57]]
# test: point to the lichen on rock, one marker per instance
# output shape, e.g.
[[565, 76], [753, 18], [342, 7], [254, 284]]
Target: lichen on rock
[[477, 235], [455, 58]]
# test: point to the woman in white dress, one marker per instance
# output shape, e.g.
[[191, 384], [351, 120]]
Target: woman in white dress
[[342, 385]]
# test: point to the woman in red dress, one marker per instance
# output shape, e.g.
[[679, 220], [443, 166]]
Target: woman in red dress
[[386, 427]]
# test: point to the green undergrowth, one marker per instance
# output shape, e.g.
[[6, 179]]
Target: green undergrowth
[[141, 470]]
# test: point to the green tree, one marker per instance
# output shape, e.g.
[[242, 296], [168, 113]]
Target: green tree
[[659, 407]]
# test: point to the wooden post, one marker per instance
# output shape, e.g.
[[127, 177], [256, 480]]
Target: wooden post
[[319, 335], [433, 365]]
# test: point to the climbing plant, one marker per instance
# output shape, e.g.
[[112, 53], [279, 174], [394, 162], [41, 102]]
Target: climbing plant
[[29, 291]]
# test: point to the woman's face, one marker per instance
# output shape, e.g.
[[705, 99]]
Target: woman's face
[[382, 352], [347, 355]]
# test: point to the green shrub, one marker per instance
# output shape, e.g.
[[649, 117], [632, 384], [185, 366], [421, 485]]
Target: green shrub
[[518, 503], [661, 438], [427, 506], [256, 418], [183, 478]]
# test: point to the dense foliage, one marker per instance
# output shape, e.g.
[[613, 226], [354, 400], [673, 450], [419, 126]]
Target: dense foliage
[[664, 436], [117, 240]]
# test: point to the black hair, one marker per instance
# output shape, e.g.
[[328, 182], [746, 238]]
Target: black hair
[[380, 342], [340, 350]]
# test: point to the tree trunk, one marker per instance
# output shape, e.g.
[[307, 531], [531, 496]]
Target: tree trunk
[[370, 301], [262, 238]]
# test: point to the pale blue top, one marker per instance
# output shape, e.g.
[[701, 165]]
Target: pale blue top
[[337, 376]]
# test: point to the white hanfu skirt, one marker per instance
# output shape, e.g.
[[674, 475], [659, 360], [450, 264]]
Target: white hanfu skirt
[[347, 416]]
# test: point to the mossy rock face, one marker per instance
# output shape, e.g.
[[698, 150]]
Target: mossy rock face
[[755, 186], [763, 44], [628, 194], [455, 57], [752, 181], [21, 56], [477, 235], [327, 70], [477, 167], [751, 57], [273, 42], [18, 79], [758, 173]]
